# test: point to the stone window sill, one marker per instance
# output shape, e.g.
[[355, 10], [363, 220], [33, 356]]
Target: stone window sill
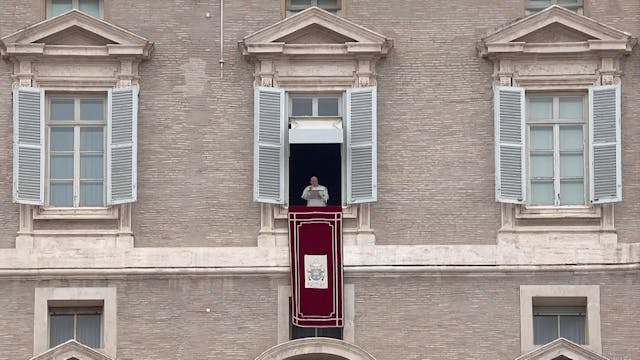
[[89, 213]]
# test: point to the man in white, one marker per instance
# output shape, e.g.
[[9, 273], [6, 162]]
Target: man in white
[[316, 195]]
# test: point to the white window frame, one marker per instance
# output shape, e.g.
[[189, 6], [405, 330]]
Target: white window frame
[[579, 7], [569, 294], [77, 124], [292, 9], [75, 4], [314, 98], [71, 297], [556, 123]]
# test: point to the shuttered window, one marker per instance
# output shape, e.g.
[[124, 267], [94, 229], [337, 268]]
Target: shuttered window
[[82, 149], [271, 123], [563, 160]]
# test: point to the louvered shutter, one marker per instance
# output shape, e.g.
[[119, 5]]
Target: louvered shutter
[[605, 178], [28, 145], [361, 148], [509, 136], [122, 145], [269, 126]]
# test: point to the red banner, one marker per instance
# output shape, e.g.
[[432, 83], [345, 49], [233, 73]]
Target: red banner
[[315, 235]]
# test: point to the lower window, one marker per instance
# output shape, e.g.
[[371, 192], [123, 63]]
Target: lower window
[[83, 324], [298, 332], [552, 322]]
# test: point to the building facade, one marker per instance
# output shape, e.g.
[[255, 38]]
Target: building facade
[[484, 155]]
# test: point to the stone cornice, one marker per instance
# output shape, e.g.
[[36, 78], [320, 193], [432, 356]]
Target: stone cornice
[[121, 42], [599, 37], [561, 347], [71, 350], [361, 41]]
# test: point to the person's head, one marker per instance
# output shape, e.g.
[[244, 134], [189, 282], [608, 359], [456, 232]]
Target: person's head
[[313, 181]]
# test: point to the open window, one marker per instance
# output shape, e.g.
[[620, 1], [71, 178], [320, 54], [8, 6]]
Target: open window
[[315, 116]]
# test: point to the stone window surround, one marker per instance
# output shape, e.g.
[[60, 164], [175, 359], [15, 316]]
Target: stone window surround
[[590, 292], [97, 68], [557, 67], [42, 297], [284, 313]]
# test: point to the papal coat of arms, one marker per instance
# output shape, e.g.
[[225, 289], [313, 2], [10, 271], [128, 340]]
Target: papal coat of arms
[[315, 269]]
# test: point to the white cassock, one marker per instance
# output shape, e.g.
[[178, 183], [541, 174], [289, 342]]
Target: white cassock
[[313, 201]]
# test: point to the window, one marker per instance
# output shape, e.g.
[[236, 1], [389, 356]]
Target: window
[[84, 324], [91, 7], [556, 129], [549, 312], [73, 167], [298, 332], [85, 314], [333, 6], [548, 167], [315, 126], [552, 322], [537, 5], [76, 144]]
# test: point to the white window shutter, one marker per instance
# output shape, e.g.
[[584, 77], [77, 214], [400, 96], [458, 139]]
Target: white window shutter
[[122, 134], [509, 105], [605, 180], [269, 137], [28, 145], [361, 147]]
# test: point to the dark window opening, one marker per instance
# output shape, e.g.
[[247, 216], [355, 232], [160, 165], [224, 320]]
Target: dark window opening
[[320, 160], [297, 332]]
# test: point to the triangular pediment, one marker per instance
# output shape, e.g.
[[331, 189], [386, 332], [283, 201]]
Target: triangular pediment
[[556, 30], [315, 26], [75, 35], [71, 350], [74, 29], [561, 349], [315, 34]]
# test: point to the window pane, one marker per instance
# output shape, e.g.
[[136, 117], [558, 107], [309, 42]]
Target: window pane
[[540, 108], [571, 165], [327, 107], [91, 166], [328, 4], [61, 139], [301, 107], [572, 328], [91, 7], [92, 109], [571, 138], [569, 2], [91, 139], [541, 138], [571, 108], [545, 329], [541, 166], [542, 193], [57, 7], [300, 2], [572, 192], [89, 329], [61, 167], [60, 329], [61, 194], [62, 109], [538, 4], [91, 193]]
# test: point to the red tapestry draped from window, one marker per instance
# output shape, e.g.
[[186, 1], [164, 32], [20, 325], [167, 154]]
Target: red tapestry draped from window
[[315, 235]]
